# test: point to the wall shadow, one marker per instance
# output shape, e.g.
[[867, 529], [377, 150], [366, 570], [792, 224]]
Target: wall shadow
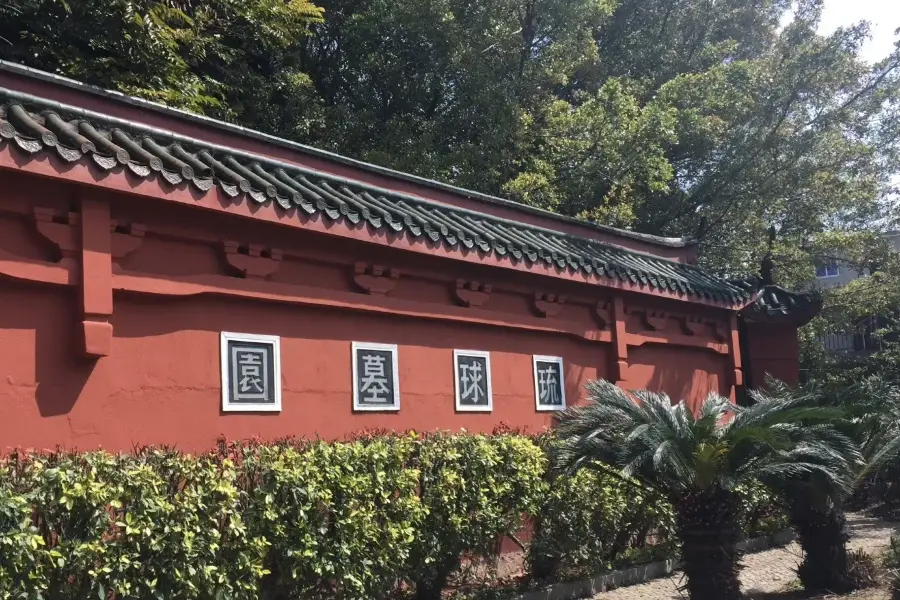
[[40, 326]]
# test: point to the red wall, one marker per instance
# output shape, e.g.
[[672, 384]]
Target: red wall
[[161, 382], [158, 381], [774, 350], [684, 373]]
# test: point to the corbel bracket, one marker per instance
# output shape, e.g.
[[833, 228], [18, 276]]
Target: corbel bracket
[[471, 293], [126, 238], [691, 324], [720, 331], [654, 320], [603, 312], [62, 229], [548, 305], [375, 279], [252, 261]]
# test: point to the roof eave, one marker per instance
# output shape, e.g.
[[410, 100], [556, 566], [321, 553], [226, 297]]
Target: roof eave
[[25, 71]]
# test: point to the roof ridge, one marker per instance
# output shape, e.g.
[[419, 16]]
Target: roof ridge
[[670, 242]]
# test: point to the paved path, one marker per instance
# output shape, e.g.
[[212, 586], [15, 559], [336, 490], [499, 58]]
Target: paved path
[[768, 571]]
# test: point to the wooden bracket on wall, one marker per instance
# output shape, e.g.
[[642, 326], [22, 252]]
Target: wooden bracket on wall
[[96, 277], [620, 342], [603, 312], [375, 279], [548, 305], [720, 331], [126, 238], [252, 260], [654, 320], [471, 293], [61, 229], [690, 324]]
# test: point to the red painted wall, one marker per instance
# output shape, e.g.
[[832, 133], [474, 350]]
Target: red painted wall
[[161, 382], [774, 350], [158, 379], [684, 373]]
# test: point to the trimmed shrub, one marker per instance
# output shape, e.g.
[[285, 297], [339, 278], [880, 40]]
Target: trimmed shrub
[[762, 512], [338, 519], [156, 524], [476, 489], [371, 517], [595, 521]]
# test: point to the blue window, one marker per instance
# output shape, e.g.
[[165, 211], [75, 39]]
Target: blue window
[[830, 269]]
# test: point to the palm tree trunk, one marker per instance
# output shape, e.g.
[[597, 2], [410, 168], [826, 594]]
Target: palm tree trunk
[[821, 532], [709, 530]]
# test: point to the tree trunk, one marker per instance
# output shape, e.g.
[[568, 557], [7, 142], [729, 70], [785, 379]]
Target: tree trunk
[[432, 581], [709, 531], [821, 532]]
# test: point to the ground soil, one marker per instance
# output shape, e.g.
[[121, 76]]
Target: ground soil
[[771, 575]]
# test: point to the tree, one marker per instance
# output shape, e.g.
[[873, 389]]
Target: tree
[[815, 505], [223, 58], [871, 419], [697, 461], [671, 117]]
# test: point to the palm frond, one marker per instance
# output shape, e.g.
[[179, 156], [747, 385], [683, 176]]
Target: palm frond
[[644, 436]]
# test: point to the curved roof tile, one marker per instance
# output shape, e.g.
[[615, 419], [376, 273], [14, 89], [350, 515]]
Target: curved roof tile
[[34, 125]]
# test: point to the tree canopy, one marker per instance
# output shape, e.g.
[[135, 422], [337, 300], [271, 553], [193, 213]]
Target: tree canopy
[[711, 118]]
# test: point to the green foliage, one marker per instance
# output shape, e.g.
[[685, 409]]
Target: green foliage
[[154, 525], [350, 520], [700, 462], [667, 116], [191, 55], [475, 489], [762, 510], [892, 564], [678, 453], [338, 519], [594, 521]]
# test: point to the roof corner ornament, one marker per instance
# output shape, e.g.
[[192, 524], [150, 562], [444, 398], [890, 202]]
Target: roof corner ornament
[[767, 268]]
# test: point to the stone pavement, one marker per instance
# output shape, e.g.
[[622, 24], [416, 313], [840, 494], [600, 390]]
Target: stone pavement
[[768, 571]]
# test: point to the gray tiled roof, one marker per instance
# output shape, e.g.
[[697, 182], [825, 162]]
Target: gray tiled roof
[[776, 303], [35, 125]]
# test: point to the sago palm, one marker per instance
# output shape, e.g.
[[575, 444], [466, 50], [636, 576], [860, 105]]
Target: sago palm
[[698, 460], [815, 506]]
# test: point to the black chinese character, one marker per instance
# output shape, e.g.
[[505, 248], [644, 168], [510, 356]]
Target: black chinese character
[[473, 388], [375, 385]]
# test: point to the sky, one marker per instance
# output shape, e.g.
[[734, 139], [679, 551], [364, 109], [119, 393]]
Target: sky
[[883, 16]]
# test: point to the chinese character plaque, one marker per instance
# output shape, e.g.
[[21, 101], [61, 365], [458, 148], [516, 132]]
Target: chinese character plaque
[[549, 388], [375, 380], [473, 380], [251, 373]]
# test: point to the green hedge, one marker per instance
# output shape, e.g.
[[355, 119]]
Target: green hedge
[[366, 518]]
